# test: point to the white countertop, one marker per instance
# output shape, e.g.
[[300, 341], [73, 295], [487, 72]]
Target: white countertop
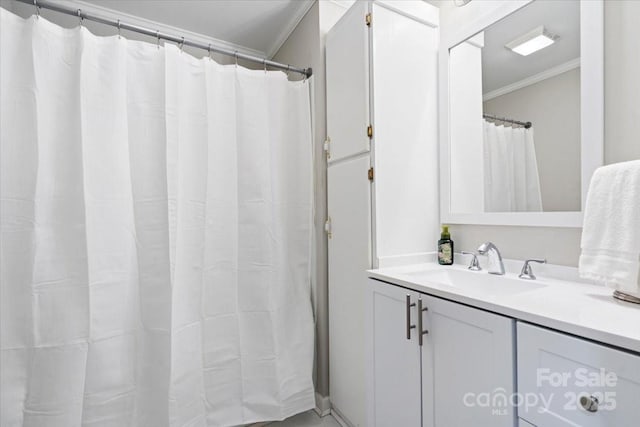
[[584, 310]]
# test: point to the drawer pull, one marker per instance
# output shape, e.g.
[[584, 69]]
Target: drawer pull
[[409, 304], [421, 332], [589, 403]]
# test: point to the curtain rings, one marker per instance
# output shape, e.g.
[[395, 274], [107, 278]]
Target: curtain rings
[[288, 69], [264, 62], [80, 17], [35, 4], [235, 54], [181, 44], [119, 29], [209, 52], [158, 38]]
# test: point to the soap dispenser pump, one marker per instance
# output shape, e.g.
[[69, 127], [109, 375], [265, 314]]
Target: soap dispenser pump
[[445, 247]]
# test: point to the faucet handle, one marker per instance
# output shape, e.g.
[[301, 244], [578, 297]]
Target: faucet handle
[[527, 271], [474, 265]]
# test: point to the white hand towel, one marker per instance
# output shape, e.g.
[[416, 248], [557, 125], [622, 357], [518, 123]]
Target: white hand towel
[[611, 232]]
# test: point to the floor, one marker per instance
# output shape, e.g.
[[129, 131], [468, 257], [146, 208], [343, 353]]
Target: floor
[[307, 419]]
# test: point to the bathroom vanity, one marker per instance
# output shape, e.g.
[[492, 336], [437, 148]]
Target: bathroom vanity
[[451, 347]]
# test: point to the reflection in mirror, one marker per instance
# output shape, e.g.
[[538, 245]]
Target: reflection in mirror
[[515, 113]]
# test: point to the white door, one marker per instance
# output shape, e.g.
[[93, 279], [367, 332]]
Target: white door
[[393, 356], [568, 374], [405, 135], [468, 357], [349, 208], [347, 74]]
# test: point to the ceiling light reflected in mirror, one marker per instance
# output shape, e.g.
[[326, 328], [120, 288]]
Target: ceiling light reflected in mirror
[[532, 41]]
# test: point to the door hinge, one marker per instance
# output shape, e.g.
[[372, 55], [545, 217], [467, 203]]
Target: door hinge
[[367, 19], [370, 131], [327, 147], [327, 227], [370, 174]]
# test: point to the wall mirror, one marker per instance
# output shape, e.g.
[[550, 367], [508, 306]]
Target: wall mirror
[[522, 114]]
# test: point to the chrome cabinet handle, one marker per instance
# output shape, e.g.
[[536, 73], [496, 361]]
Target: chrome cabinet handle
[[589, 403], [409, 304], [421, 332]]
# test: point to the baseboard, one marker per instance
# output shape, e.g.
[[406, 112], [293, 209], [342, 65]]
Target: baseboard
[[343, 423], [323, 405]]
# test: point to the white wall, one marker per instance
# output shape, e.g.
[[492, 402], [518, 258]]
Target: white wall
[[622, 132], [405, 144], [553, 106], [621, 82]]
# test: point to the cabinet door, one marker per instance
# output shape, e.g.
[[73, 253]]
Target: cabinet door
[[467, 366], [349, 208], [347, 77], [393, 357], [556, 370]]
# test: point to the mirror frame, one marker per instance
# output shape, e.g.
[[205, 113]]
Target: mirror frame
[[591, 113]]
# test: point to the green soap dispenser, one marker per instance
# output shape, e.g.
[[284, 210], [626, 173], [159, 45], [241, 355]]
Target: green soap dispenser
[[445, 247]]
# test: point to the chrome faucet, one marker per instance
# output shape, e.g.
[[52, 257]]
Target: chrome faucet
[[496, 266]]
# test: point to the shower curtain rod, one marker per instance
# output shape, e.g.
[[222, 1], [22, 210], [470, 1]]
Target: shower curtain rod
[[526, 125], [307, 72]]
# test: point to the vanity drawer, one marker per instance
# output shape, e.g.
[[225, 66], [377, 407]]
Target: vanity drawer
[[560, 375]]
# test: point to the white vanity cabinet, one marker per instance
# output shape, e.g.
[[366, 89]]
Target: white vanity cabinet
[[465, 357], [563, 375], [394, 356], [468, 366]]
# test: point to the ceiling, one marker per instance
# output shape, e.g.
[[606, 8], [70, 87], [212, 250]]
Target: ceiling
[[502, 67], [258, 25]]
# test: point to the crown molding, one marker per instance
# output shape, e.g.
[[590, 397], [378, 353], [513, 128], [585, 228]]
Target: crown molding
[[551, 72], [164, 28], [303, 8]]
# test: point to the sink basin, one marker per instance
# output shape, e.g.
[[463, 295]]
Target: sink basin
[[475, 281]]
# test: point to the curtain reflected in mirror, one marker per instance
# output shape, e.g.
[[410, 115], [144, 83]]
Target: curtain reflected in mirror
[[511, 181]]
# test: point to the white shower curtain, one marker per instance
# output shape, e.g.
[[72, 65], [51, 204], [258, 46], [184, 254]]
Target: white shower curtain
[[511, 182], [156, 228]]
